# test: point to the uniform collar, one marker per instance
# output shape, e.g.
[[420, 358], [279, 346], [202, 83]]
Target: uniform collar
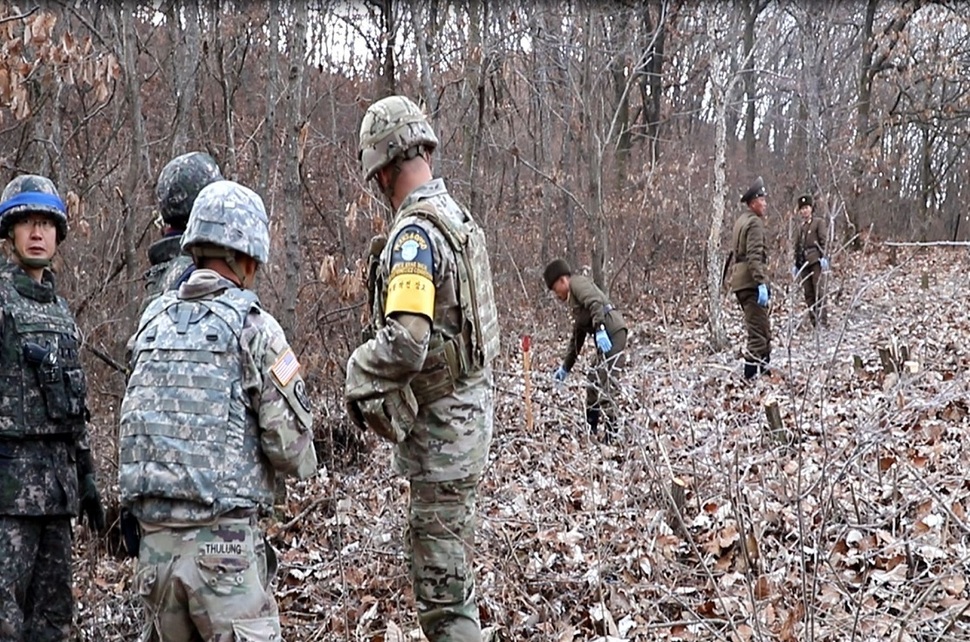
[[42, 292], [434, 187], [204, 282]]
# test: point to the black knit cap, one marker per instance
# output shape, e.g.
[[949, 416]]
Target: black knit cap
[[554, 270], [757, 189]]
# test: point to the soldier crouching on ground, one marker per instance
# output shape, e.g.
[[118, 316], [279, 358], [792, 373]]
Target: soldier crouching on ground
[[46, 470], [424, 382], [593, 315], [810, 261], [749, 280], [215, 406]]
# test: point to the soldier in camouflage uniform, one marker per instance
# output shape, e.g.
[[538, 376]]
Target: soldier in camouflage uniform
[[749, 280], [46, 471], [179, 183], [424, 382], [810, 261], [593, 315], [215, 407]]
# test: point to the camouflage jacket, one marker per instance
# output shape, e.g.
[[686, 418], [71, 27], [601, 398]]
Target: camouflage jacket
[[810, 241], [167, 265], [590, 308], [42, 402], [214, 405], [452, 433], [750, 252]]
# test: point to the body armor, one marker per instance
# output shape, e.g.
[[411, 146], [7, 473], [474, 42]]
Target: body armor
[[187, 433], [43, 386], [477, 343]]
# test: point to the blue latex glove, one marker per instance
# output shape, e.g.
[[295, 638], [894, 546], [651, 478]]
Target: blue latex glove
[[603, 341], [763, 295], [560, 374], [825, 264]]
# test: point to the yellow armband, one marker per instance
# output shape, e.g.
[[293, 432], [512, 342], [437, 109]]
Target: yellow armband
[[410, 284]]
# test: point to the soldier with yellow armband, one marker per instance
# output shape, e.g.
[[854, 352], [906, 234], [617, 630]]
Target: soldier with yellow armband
[[424, 381]]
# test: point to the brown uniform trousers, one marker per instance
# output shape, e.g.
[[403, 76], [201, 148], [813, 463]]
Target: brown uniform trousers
[[758, 348], [811, 276]]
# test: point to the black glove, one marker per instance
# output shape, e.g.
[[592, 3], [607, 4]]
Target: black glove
[[88, 488]]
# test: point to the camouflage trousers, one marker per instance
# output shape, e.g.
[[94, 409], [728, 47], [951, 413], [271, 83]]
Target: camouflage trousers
[[36, 603], [208, 583], [757, 325], [440, 540], [602, 385]]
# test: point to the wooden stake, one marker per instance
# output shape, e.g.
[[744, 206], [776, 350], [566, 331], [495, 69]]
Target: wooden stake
[[776, 429]]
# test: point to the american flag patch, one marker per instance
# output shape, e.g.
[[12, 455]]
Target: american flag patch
[[286, 367]]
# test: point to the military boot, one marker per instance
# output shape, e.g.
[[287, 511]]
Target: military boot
[[750, 370], [593, 419]]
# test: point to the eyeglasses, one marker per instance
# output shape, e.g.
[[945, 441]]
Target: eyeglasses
[[41, 222]]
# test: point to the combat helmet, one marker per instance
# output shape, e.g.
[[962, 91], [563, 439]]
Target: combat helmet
[[179, 184], [227, 217], [393, 127], [31, 194]]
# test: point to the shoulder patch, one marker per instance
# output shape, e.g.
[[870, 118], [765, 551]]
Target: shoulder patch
[[410, 284], [285, 368]]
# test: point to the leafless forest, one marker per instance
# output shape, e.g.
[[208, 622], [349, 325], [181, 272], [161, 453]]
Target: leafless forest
[[618, 135]]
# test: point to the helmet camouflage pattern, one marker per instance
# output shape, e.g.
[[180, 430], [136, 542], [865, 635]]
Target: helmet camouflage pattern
[[392, 127], [32, 194], [180, 182], [231, 216]]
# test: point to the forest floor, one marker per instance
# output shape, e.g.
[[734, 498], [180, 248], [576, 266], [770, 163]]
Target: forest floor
[[848, 523]]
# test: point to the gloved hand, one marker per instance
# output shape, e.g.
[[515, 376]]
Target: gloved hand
[[825, 264], [603, 341], [794, 272], [560, 374], [763, 295], [91, 502]]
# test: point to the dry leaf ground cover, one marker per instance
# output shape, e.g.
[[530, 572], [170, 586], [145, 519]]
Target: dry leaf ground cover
[[848, 523]]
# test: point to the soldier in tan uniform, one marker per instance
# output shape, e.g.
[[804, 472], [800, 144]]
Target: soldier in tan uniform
[[593, 315], [424, 381], [215, 407], [749, 280], [810, 260]]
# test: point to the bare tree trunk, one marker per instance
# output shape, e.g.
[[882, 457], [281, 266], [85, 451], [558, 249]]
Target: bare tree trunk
[[474, 94], [186, 68], [292, 160], [225, 83], [424, 64], [272, 78], [129, 46], [722, 86]]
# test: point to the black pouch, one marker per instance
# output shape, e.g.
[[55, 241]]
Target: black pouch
[[130, 532]]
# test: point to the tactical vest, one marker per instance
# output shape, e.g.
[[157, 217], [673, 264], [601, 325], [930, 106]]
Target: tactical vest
[[42, 387], [477, 344], [186, 430]]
